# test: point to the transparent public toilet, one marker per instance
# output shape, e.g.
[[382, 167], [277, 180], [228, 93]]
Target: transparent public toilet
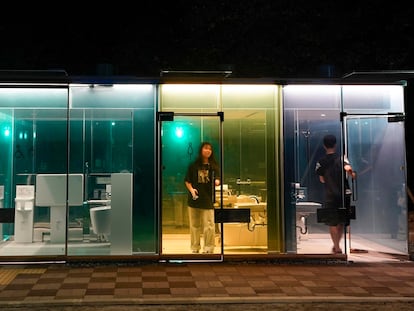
[[95, 170], [368, 120]]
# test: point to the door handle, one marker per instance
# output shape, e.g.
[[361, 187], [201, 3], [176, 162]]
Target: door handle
[[354, 188]]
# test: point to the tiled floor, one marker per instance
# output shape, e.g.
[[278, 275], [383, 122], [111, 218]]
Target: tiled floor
[[206, 282]]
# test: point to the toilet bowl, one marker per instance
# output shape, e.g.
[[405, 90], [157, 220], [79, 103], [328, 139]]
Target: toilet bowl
[[101, 221]]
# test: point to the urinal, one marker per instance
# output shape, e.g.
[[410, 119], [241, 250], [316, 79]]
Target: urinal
[[1, 195], [24, 197], [101, 221], [24, 203]]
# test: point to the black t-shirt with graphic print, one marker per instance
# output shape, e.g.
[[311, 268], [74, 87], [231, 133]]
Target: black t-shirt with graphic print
[[202, 178]]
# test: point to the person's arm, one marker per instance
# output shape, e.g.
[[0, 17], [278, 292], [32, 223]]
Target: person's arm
[[348, 168], [319, 173], [216, 175], [193, 191], [216, 179]]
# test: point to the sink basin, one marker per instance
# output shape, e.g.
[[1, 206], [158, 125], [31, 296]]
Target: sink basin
[[307, 207], [98, 202], [254, 207]]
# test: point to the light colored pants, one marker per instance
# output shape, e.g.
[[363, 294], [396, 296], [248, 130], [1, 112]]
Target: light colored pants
[[202, 220]]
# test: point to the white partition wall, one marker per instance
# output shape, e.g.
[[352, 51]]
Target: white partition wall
[[51, 191], [121, 214]]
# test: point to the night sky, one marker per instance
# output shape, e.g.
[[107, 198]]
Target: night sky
[[252, 38]]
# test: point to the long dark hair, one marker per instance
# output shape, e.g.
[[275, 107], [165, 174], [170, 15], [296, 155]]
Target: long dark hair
[[212, 159]]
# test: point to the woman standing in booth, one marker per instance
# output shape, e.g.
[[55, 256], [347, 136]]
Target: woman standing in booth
[[201, 178]]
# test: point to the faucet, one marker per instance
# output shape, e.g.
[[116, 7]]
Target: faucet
[[254, 198], [299, 193], [300, 196]]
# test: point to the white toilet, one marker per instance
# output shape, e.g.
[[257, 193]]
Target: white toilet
[[23, 222], [101, 222]]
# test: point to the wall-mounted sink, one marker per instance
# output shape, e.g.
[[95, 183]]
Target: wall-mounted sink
[[254, 207], [306, 208]]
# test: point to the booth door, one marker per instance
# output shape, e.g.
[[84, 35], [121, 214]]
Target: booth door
[[375, 145], [180, 138]]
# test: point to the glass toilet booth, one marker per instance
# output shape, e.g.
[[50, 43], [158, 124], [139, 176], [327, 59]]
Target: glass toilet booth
[[370, 132], [245, 119]]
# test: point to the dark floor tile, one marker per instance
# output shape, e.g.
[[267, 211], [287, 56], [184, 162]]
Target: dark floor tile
[[154, 279], [102, 280], [18, 286], [267, 291], [183, 284], [28, 276], [106, 269], [42, 292], [179, 273], [128, 284], [79, 274], [74, 285], [50, 280], [99, 291], [127, 274], [156, 291]]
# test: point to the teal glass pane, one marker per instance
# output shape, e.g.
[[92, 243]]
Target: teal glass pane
[[6, 169], [34, 141], [34, 97], [145, 221], [104, 143], [113, 96]]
